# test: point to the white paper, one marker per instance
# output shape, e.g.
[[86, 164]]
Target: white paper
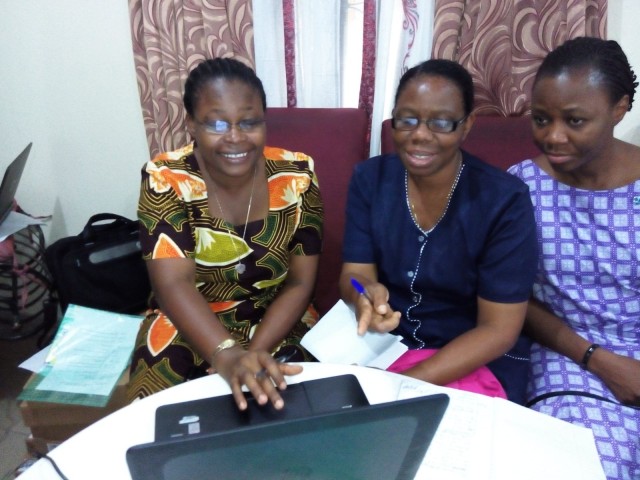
[[461, 448], [480, 438], [15, 222], [335, 339], [36, 361], [567, 441]]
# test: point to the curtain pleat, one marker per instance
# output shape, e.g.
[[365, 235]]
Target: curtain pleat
[[290, 50], [368, 79]]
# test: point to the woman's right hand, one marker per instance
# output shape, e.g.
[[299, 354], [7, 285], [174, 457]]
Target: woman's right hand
[[621, 374], [258, 371], [377, 316]]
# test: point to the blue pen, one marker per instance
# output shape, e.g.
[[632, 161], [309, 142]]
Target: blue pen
[[360, 289]]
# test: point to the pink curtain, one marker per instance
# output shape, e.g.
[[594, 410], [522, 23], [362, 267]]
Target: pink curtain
[[170, 37], [502, 43], [289, 15], [368, 79]]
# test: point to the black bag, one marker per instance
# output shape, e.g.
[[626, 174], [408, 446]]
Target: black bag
[[102, 267]]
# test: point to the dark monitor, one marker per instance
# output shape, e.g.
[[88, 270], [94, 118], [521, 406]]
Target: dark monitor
[[387, 440]]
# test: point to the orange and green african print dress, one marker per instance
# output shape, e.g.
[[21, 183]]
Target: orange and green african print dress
[[176, 223]]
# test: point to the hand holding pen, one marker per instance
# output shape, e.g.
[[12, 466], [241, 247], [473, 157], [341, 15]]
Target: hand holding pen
[[376, 314]]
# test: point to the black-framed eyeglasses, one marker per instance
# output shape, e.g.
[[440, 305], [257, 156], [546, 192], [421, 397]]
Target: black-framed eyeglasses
[[436, 125], [220, 127]]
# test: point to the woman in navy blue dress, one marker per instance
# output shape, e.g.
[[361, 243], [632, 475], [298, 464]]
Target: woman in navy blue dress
[[444, 244]]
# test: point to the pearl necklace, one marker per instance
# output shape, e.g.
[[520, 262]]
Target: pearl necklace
[[446, 207], [240, 267]]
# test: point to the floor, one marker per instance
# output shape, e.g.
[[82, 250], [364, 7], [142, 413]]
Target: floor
[[13, 432]]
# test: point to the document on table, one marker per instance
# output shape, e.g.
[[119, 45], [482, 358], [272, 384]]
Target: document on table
[[335, 339], [86, 359], [90, 351], [484, 438]]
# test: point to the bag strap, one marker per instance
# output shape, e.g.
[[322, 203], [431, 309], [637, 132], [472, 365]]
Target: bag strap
[[96, 224], [576, 393]]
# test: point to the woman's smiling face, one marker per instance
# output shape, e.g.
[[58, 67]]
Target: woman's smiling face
[[429, 97], [234, 153]]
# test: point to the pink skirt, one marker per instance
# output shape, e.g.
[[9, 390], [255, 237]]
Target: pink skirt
[[479, 381]]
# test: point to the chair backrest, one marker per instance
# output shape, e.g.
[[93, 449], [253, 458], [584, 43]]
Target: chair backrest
[[336, 140], [500, 141]]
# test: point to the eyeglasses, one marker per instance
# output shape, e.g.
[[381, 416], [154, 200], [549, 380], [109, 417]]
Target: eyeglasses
[[220, 127], [436, 125]]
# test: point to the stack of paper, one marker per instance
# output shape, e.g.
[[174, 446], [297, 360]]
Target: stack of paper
[[90, 351]]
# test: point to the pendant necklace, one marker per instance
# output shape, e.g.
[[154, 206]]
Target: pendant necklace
[[240, 267]]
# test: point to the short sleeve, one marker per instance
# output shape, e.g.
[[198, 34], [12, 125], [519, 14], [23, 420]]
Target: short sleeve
[[508, 265], [358, 245], [307, 239], [165, 230], [292, 179]]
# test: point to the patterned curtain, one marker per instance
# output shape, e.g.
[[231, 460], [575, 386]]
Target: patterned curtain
[[368, 79], [170, 37], [502, 43], [290, 50], [404, 32]]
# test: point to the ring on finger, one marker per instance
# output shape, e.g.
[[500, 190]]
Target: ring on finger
[[261, 374]]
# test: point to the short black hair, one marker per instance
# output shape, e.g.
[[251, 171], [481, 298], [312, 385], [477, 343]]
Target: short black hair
[[448, 69], [212, 69], [603, 56]]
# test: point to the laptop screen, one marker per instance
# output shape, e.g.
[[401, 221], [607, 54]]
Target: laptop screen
[[387, 440]]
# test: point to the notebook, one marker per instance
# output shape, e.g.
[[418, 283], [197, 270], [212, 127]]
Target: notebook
[[10, 181], [386, 440], [217, 414]]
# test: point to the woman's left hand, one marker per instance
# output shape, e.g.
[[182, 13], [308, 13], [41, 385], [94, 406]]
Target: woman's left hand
[[621, 374], [259, 371]]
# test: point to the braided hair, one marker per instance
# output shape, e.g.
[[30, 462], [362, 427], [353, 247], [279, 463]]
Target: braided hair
[[213, 69], [605, 57]]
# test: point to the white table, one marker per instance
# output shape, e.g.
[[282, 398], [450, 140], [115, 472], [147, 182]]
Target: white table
[[479, 437]]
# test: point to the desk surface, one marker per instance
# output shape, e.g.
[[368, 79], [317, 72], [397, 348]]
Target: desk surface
[[479, 437]]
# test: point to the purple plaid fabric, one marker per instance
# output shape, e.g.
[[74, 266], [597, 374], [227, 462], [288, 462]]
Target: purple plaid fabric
[[589, 274]]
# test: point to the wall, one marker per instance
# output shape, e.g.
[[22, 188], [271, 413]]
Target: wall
[[67, 83]]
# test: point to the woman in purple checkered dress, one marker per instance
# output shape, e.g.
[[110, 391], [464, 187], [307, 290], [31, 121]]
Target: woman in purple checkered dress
[[585, 310]]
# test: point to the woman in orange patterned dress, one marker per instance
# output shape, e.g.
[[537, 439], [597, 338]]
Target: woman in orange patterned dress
[[231, 231]]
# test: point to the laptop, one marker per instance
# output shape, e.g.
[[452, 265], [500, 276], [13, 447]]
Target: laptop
[[10, 181], [218, 414], [386, 440]]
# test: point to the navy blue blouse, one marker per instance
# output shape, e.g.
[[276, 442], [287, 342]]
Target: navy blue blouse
[[484, 246]]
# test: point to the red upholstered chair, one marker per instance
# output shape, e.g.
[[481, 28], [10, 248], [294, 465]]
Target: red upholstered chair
[[336, 140], [500, 141]]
